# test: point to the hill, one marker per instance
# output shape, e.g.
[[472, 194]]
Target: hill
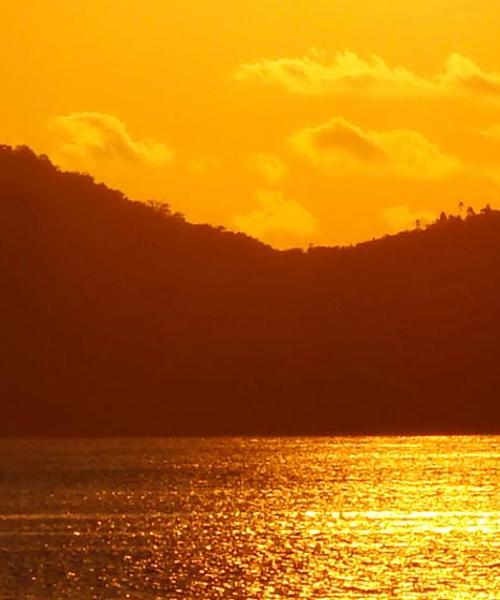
[[120, 318]]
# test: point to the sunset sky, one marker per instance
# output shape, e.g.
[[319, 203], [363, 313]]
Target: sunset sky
[[312, 121]]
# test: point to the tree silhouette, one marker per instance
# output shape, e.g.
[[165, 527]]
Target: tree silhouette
[[119, 318]]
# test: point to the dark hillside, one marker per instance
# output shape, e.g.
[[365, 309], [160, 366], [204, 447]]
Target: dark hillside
[[121, 318]]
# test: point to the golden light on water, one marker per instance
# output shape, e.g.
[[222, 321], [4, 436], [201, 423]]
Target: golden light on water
[[340, 518]]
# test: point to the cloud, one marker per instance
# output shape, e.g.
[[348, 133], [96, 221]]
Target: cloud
[[348, 73], [276, 213], [96, 136], [400, 218], [341, 148], [269, 166], [463, 75]]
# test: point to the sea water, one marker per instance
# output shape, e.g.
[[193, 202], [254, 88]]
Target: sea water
[[241, 518]]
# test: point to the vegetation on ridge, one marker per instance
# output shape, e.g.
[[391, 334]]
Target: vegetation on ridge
[[120, 317]]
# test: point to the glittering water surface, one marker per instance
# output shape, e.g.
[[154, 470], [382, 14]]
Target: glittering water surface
[[251, 519]]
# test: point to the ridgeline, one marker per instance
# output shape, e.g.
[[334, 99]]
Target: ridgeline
[[120, 318]]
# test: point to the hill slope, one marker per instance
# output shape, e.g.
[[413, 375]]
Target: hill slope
[[119, 318]]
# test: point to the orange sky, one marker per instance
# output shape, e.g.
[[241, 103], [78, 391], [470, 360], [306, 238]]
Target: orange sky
[[314, 121]]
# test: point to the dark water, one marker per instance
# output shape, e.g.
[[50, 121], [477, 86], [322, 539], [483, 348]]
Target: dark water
[[252, 519]]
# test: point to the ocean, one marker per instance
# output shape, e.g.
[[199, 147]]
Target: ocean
[[241, 518]]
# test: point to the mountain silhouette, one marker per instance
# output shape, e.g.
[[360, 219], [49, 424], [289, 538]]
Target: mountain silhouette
[[120, 318]]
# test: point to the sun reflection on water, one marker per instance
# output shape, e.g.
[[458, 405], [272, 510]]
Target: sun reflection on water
[[408, 518]]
